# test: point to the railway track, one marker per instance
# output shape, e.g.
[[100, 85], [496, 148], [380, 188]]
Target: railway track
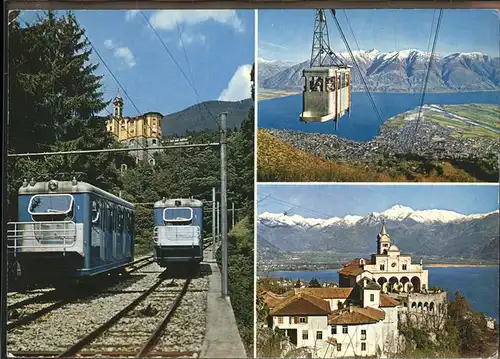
[[105, 340], [57, 299]]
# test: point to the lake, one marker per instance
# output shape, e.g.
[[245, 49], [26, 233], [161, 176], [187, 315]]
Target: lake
[[478, 284], [363, 125]]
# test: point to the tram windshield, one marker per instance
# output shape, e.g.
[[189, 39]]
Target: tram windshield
[[51, 207], [50, 204], [177, 214]]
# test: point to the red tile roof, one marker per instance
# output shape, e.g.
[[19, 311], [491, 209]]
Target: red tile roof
[[387, 301], [326, 293], [355, 262], [351, 271], [356, 315], [272, 299], [301, 304]]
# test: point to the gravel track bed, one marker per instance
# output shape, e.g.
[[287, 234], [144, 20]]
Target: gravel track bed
[[58, 330], [32, 308], [14, 298], [132, 332], [63, 327], [186, 329]]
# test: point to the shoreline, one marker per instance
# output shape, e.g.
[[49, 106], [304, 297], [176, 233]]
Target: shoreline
[[432, 265], [270, 94]]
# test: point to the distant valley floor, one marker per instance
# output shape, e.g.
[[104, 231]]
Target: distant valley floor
[[267, 94]]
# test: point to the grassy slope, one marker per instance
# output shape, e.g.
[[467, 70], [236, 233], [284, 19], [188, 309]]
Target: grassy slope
[[280, 162]]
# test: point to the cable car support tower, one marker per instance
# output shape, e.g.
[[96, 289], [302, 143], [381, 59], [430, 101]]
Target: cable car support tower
[[326, 94]]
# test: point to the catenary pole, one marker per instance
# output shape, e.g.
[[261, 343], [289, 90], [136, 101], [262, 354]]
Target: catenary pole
[[213, 224], [223, 190]]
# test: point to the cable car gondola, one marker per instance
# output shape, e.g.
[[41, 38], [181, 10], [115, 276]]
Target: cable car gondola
[[327, 91], [327, 94]]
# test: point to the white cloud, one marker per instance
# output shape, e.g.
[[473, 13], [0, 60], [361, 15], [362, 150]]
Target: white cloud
[[239, 87], [131, 14], [168, 19], [109, 44], [189, 39], [121, 52], [126, 55]]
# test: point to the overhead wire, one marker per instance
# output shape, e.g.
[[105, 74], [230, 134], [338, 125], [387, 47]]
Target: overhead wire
[[422, 98], [190, 73], [301, 207], [357, 67], [180, 68]]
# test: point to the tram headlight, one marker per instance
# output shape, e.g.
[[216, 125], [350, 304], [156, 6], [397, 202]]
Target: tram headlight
[[52, 185]]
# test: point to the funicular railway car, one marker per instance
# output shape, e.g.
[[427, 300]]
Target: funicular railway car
[[70, 230], [178, 231]]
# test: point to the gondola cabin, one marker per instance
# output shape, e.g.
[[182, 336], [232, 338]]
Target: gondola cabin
[[178, 231], [70, 229], [327, 93]]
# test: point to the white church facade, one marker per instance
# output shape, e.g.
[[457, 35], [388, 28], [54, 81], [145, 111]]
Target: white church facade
[[392, 270]]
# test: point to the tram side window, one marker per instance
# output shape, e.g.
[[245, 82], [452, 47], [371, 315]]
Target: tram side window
[[95, 213], [110, 218], [330, 84], [318, 84], [125, 220], [132, 222], [119, 222]]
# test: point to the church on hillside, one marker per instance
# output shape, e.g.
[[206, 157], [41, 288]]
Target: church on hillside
[[361, 317], [391, 269], [143, 131]]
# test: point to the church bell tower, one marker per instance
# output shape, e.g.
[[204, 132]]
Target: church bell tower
[[118, 106], [383, 240]]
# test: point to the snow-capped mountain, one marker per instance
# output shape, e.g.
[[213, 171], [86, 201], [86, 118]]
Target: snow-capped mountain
[[268, 68], [395, 213], [401, 71], [430, 232]]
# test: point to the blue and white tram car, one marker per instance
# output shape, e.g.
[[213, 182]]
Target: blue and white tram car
[[69, 230], [178, 231]]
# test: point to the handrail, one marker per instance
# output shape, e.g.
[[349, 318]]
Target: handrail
[[61, 231]]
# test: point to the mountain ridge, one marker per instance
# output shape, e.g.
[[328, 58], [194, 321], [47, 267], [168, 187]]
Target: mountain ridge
[[401, 71], [199, 117], [396, 212], [472, 236]]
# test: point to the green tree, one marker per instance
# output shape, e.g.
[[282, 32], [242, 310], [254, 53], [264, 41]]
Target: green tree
[[54, 96], [314, 283]]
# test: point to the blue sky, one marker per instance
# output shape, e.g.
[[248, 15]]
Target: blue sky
[[287, 34], [218, 44], [324, 201]]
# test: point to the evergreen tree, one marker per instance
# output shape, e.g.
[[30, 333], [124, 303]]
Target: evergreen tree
[[54, 96], [314, 283]]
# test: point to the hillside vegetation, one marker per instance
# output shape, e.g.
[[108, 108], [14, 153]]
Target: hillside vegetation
[[277, 161], [280, 162], [241, 277]]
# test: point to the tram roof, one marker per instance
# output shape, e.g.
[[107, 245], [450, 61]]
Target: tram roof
[[179, 202], [69, 187]]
